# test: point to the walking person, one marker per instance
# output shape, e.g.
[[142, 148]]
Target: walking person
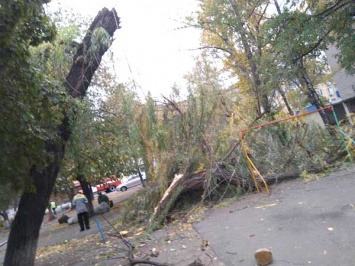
[[79, 202]]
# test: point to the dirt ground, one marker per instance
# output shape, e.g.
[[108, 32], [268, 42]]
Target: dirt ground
[[62, 244], [176, 244]]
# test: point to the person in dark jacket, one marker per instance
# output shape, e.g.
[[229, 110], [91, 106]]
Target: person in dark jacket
[[103, 198], [79, 202]]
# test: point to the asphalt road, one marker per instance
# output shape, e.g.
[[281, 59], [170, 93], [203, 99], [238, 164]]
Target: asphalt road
[[302, 223]]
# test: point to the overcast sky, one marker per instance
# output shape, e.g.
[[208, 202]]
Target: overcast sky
[[149, 41]]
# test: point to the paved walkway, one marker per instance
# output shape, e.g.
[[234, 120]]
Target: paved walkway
[[302, 223]]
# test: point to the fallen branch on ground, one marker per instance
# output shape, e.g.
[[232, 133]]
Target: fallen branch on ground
[[131, 247]]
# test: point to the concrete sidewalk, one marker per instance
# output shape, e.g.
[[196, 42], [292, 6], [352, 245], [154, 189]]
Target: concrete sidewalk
[[302, 223]]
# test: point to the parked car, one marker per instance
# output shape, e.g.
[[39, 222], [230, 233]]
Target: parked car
[[108, 185], [131, 181], [94, 190]]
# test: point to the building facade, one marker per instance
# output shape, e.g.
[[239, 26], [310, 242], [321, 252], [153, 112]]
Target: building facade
[[344, 84]]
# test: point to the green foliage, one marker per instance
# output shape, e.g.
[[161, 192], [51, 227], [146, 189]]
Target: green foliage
[[92, 150], [293, 33], [35, 59], [86, 148], [55, 58], [308, 27], [345, 42], [258, 54], [27, 102], [7, 195], [289, 146], [100, 39], [231, 31], [143, 205], [23, 23]]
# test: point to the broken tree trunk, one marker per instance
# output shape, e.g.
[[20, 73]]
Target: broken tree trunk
[[185, 183], [23, 238], [177, 182]]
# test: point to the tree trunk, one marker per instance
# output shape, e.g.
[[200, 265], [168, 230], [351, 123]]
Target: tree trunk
[[185, 183], [311, 92], [284, 98], [141, 177], [87, 192], [263, 105], [173, 188], [23, 238]]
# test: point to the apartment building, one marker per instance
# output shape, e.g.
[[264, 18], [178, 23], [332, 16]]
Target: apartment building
[[343, 86]]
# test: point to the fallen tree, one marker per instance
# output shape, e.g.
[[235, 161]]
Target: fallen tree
[[202, 182]]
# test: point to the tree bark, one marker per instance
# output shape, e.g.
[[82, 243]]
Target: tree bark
[[263, 105], [23, 238], [185, 183], [162, 205], [311, 92], [284, 98], [141, 177], [87, 192]]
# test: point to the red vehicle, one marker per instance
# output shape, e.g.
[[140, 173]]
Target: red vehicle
[[108, 185]]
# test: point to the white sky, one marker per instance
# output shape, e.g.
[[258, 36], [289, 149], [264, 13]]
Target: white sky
[[149, 42]]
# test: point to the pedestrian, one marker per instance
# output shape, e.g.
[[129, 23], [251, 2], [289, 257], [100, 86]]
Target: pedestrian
[[79, 202], [103, 198], [53, 206]]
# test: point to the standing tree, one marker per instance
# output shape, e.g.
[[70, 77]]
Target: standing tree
[[231, 31], [23, 23], [132, 125], [301, 31], [24, 106]]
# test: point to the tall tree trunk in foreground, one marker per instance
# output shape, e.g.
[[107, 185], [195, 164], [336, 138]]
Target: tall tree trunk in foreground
[[86, 187], [23, 238]]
